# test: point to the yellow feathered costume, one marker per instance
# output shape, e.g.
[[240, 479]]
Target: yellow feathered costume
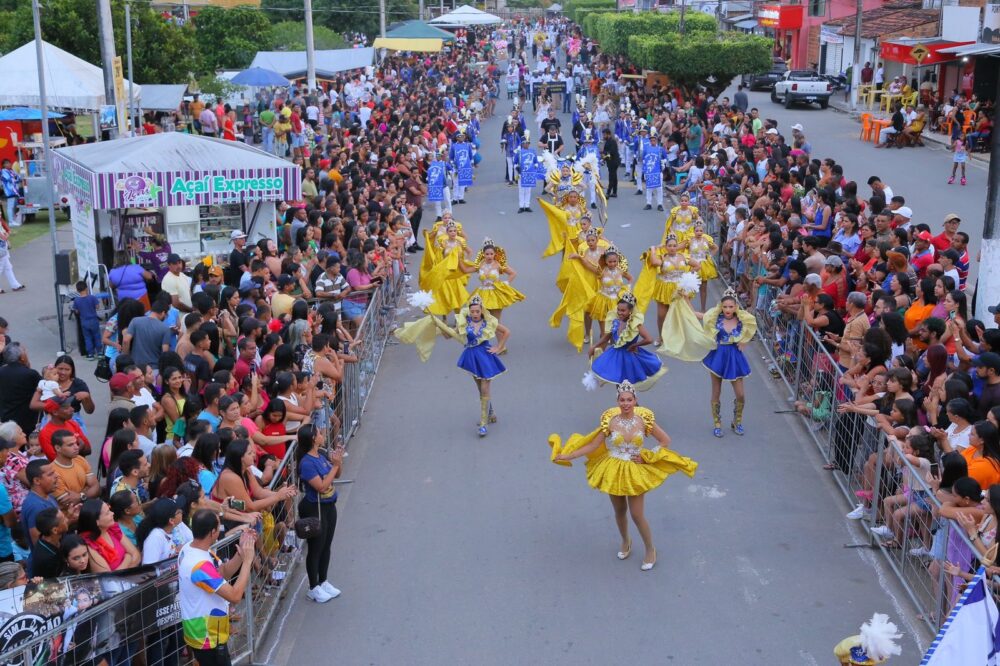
[[446, 280], [680, 223], [610, 468], [496, 294]]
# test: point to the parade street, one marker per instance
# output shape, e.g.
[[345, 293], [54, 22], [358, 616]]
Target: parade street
[[453, 549]]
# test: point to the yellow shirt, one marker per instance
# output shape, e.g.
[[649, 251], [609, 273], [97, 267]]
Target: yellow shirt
[[281, 304]]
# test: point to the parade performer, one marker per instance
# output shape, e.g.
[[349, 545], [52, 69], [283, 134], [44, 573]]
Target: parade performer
[[625, 133], [613, 280], [578, 284], [561, 179], [730, 328], [446, 280], [494, 293], [681, 220], [588, 163], [475, 328], [619, 354], [873, 645], [527, 165], [663, 266], [641, 145], [653, 158], [438, 190], [620, 465], [700, 248], [576, 244], [460, 156], [510, 143]]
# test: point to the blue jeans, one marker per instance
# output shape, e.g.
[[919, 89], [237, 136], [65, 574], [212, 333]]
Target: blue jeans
[[267, 136], [91, 336], [566, 97]]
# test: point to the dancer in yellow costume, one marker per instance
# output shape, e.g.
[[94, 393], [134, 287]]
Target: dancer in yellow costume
[[563, 219], [490, 266], [431, 237], [699, 249], [618, 464], [576, 246], [613, 280], [681, 220], [446, 280], [663, 266]]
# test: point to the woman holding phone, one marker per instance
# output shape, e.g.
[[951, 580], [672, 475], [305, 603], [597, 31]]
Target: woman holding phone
[[317, 470]]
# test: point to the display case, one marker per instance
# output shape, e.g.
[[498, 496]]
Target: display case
[[218, 222]]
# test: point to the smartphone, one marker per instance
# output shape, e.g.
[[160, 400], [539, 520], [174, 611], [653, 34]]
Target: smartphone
[[237, 504]]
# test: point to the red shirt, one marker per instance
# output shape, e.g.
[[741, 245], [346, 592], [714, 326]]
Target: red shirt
[[941, 242], [45, 436], [921, 261], [241, 370]]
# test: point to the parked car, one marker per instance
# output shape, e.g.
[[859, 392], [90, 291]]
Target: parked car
[[802, 86], [766, 80]]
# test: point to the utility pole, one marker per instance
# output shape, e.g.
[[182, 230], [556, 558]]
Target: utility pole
[[381, 18], [43, 104], [856, 70], [420, 10], [107, 52], [680, 28], [988, 283], [310, 47], [133, 112]]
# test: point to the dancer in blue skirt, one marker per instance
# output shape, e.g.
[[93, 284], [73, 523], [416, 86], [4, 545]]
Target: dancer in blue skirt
[[732, 328], [619, 355]]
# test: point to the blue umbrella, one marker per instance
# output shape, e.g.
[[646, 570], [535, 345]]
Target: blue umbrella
[[24, 113], [258, 76]]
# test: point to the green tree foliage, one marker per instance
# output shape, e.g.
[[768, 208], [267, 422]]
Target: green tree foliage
[[612, 31], [291, 36], [703, 58], [572, 7], [342, 15], [230, 38]]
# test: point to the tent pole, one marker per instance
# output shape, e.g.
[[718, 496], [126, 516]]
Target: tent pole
[[310, 47], [44, 108], [107, 32]]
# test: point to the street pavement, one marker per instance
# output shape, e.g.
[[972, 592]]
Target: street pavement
[[452, 549]]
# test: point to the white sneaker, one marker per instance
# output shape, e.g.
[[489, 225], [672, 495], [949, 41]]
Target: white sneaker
[[318, 594], [882, 531], [859, 512], [920, 551], [330, 590]]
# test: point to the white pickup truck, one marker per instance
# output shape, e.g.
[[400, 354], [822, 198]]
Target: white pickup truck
[[802, 85]]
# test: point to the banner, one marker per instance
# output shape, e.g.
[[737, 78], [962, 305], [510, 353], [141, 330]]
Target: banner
[[971, 634], [462, 156], [527, 163], [652, 169], [34, 609], [436, 181]]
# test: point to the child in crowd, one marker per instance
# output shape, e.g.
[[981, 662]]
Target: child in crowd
[[85, 305], [49, 384], [959, 157]]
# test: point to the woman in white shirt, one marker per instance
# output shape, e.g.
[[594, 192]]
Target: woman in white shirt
[[162, 532]]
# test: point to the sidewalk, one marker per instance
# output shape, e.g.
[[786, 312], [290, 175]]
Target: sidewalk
[[838, 103]]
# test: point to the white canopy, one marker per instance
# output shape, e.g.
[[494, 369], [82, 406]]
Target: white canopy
[[156, 97], [466, 15], [70, 82], [292, 64]]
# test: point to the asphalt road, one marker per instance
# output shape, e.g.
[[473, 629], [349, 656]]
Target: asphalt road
[[456, 550]]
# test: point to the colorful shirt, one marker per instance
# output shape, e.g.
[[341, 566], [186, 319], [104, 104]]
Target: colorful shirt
[[204, 614]]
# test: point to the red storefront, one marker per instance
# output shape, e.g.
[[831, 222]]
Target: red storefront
[[785, 22], [918, 57]]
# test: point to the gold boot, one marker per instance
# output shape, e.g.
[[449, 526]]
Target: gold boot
[[717, 419], [737, 424], [484, 411]]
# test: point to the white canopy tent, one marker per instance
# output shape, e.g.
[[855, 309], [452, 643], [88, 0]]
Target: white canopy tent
[[464, 16], [156, 97], [70, 82], [292, 64]]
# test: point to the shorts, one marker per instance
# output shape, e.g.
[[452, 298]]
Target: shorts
[[321, 417], [353, 310], [298, 140], [959, 158]]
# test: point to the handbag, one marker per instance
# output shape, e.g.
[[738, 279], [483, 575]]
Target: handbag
[[103, 370], [310, 528]]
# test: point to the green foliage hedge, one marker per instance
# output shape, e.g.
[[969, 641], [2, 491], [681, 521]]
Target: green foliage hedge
[[612, 31], [694, 57]]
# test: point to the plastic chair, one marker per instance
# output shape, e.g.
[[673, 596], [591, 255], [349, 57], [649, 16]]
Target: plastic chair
[[679, 178], [866, 127]]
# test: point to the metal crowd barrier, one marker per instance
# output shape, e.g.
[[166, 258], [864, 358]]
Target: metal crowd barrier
[[857, 449], [142, 620]]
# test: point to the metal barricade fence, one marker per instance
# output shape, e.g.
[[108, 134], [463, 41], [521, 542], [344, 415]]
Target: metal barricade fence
[[855, 447], [144, 618]]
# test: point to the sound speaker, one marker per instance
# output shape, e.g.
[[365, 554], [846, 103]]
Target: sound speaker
[[67, 272]]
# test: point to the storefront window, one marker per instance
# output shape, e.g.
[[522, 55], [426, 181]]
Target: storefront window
[[817, 7]]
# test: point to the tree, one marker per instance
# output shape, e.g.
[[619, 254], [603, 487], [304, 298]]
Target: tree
[[612, 31], [291, 36], [701, 59], [342, 16], [230, 38]]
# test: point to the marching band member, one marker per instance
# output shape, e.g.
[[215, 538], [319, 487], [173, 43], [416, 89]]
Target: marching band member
[[652, 171], [526, 164], [460, 156], [620, 465], [510, 143]]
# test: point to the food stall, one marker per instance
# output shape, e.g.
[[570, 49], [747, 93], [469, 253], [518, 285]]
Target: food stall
[[192, 190]]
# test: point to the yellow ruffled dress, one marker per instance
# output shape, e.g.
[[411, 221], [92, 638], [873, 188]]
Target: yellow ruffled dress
[[446, 281], [610, 286], [610, 467], [680, 223], [495, 293], [664, 288], [700, 251]]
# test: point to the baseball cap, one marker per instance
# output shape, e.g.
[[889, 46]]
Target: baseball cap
[[53, 404], [924, 236], [771, 131], [814, 280], [797, 126], [994, 309], [952, 217], [237, 234], [119, 381], [285, 280], [174, 259], [987, 360], [215, 271], [333, 257], [834, 260], [904, 211]]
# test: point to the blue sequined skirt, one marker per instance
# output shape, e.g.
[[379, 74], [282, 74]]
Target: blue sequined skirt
[[727, 362], [480, 362]]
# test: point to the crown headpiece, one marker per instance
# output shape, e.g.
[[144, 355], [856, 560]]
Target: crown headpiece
[[612, 249], [488, 242], [629, 298], [592, 232], [626, 387], [730, 293], [451, 225], [475, 300], [670, 237]]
